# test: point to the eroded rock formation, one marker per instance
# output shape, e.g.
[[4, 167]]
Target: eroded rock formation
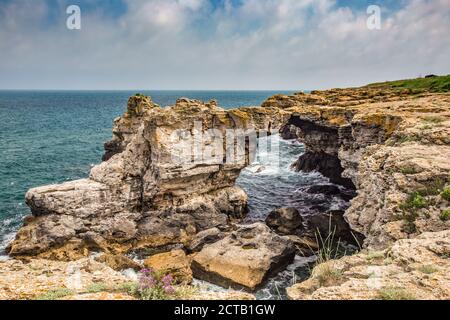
[[166, 178], [410, 269], [393, 145]]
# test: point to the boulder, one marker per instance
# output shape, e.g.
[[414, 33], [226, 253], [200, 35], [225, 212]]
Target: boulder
[[306, 246], [285, 221], [245, 258], [332, 222], [203, 238], [118, 262], [175, 263]]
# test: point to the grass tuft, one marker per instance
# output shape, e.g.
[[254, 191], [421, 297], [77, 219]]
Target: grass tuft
[[99, 287], [428, 269], [395, 293], [56, 294], [434, 119], [327, 274], [408, 170], [374, 255]]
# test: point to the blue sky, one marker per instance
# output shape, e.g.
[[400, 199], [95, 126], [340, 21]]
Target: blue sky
[[114, 9], [219, 44]]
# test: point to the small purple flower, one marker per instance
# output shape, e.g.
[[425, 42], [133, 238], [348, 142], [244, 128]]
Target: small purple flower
[[169, 289], [146, 282], [146, 271], [167, 280]]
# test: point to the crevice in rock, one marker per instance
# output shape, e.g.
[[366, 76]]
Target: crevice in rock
[[328, 165], [322, 147]]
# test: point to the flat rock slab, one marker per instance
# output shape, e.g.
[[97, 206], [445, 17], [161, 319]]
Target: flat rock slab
[[411, 269], [175, 263], [37, 278], [244, 259]]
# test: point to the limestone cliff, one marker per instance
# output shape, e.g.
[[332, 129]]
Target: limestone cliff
[[147, 196], [392, 144], [408, 270]]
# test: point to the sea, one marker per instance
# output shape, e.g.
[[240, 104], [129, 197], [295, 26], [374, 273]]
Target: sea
[[49, 137]]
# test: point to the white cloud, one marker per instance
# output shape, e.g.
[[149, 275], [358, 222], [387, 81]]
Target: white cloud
[[261, 44]]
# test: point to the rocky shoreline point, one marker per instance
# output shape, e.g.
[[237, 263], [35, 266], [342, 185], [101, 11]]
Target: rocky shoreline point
[[389, 142], [140, 199]]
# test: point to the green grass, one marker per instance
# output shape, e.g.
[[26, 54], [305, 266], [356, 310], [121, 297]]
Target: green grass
[[434, 84]]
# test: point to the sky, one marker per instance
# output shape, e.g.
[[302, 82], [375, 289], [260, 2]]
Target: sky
[[219, 44]]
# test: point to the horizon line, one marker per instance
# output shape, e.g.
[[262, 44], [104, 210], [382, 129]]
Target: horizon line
[[138, 90]]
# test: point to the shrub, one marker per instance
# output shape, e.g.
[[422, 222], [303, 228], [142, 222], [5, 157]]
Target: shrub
[[154, 285], [415, 201], [445, 215], [446, 194], [410, 207]]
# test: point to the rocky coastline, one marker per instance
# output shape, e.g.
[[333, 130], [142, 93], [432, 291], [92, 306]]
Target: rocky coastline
[[389, 148]]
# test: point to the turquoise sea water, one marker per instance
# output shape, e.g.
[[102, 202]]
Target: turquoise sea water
[[54, 136]]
